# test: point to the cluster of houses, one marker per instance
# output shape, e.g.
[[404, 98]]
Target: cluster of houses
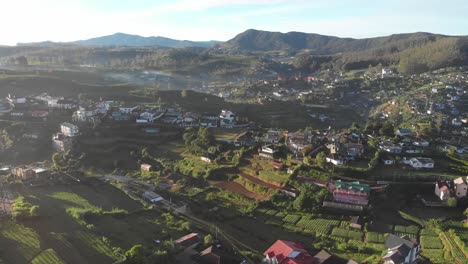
[[399, 250]]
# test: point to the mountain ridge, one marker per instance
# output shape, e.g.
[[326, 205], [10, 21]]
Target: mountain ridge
[[130, 40]]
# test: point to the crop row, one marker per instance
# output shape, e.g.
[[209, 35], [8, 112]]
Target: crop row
[[321, 226], [351, 234]]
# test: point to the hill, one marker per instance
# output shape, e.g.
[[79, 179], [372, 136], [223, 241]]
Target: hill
[[257, 40], [122, 39]]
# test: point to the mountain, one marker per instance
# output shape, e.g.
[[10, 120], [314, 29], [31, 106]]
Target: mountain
[[257, 40], [122, 39]]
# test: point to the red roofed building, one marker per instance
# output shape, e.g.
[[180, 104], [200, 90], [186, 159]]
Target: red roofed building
[[189, 240], [287, 252]]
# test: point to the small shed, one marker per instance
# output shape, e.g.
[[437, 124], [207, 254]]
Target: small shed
[[356, 222], [146, 167]]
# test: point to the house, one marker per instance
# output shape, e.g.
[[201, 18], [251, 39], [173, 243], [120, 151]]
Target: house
[[403, 132], [289, 191], [215, 255], [245, 138], [29, 172], [401, 250], [350, 192], [40, 113], [442, 190], [456, 122], [387, 160], [190, 240], [298, 141], [335, 160], [272, 137], [205, 159], [128, 109], [323, 257], [268, 151], [354, 149], [188, 119], [286, 252], [387, 72], [65, 104], [419, 142], [69, 130], [209, 120], [85, 116], [419, 162], [460, 187], [152, 197], [62, 143], [277, 165], [391, 148], [119, 116], [227, 119], [146, 167]]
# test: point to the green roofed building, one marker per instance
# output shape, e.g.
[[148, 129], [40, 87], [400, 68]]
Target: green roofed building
[[350, 192]]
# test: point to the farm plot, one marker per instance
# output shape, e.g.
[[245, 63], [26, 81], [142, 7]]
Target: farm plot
[[291, 219], [429, 242], [19, 243], [92, 245], [455, 251], [435, 255], [48, 256], [374, 237], [411, 231], [320, 226], [350, 234]]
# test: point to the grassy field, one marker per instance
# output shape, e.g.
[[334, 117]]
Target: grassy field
[[56, 237]]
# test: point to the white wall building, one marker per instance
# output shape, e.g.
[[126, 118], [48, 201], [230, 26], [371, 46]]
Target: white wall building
[[69, 130]]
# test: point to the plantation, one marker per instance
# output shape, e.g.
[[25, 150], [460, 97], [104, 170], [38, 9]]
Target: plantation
[[435, 255], [48, 256], [374, 237], [26, 243], [351, 234], [413, 230], [429, 242], [291, 219], [319, 226]]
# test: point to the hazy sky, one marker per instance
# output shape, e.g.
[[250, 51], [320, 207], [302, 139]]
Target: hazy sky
[[67, 20]]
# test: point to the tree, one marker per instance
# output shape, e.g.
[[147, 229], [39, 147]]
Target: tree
[[135, 255], [5, 141], [34, 210], [321, 160], [452, 202], [452, 151], [208, 239], [355, 127], [186, 226]]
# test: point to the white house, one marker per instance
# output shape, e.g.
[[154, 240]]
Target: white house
[[335, 161], [456, 122], [387, 72], [128, 109], [460, 187], [403, 132], [419, 162], [442, 190], [401, 250], [69, 130]]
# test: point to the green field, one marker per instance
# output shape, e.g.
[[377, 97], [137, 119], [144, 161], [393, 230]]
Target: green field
[[56, 237]]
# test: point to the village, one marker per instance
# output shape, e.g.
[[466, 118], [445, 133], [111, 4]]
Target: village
[[324, 187]]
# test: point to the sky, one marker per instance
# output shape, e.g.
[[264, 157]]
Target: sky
[[69, 20]]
